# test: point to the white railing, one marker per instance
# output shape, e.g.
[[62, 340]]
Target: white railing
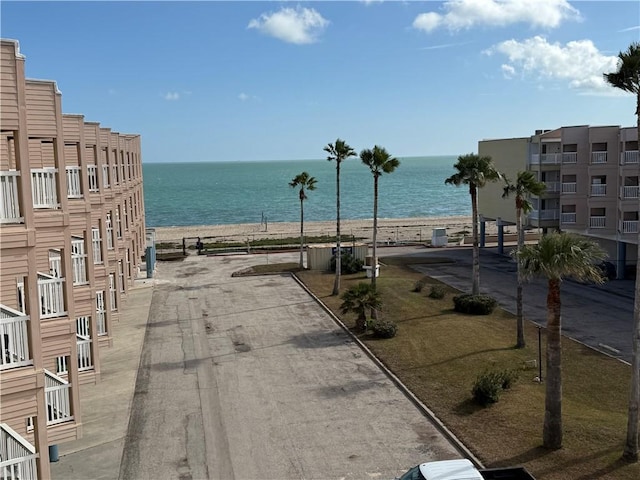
[[9, 202], [552, 187], [548, 214], [630, 226], [78, 261], [597, 222], [105, 176], [629, 157], [14, 338], [570, 157], [17, 456], [546, 158], [51, 294], [569, 187], [43, 188], [598, 190], [84, 353], [56, 392], [74, 189], [568, 218], [598, 157], [630, 191], [101, 314], [92, 173]]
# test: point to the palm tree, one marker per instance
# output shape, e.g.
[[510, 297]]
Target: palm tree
[[304, 181], [474, 171], [358, 299], [379, 161], [627, 78], [557, 256], [526, 184], [338, 151]]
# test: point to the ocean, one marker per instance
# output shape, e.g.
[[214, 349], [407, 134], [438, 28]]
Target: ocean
[[221, 193]]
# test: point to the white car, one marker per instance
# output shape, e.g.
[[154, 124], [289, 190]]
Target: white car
[[461, 469]]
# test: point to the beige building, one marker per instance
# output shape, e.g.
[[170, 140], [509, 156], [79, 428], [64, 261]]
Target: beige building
[[592, 180], [71, 238]]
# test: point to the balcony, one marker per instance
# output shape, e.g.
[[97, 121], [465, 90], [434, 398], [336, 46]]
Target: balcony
[[546, 159], [630, 192], [597, 222], [43, 188], [630, 226], [598, 190], [598, 157], [14, 338], [548, 214], [56, 392], [17, 456], [629, 157], [51, 294], [568, 217], [74, 189], [9, 203], [552, 187], [569, 187], [570, 157], [92, 172]]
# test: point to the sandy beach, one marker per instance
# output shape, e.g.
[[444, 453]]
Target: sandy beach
[[389, 229]]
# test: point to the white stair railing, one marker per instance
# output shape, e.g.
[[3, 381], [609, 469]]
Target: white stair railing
[[9, 202], [17, 456], [14, 338], [56, 392]]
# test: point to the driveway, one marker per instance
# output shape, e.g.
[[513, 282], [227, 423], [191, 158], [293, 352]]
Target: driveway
[[249, 378]]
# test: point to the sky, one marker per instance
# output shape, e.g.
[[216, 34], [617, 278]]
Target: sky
[[263, 80]]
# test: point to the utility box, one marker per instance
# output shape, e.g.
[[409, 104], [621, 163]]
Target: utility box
[[439, 237], [319, 255]]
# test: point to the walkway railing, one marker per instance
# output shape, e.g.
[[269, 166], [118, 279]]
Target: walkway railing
[[74, 190], [17, 456], [43, 188], [14, 339], [51, 294], [9, 202]]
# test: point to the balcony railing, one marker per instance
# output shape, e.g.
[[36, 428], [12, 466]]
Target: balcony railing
[[14, 338], [92, 173], [569, 187], [548, 214], [598, 157], [570, 157], [9, 203], [17, 456], [43, 188], [629, 157], [105, 176], [597, 222], [74, 190], [598, 190], [546, 158], [630, 226], [630, 191], [51, 294], [568, 217], [56, 392], [552, 187], [85, 361]]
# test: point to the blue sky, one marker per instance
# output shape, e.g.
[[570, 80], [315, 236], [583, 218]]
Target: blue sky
[[241, 80]]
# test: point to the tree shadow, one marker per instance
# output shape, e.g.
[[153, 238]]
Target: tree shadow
[[320, 339], [467, 407]]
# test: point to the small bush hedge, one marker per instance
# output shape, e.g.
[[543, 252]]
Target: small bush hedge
[[474, 304], [384, 329], [487, 388], [348, 264], [437, 291], [419, 285]]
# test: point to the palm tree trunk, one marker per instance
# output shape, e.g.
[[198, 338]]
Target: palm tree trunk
[[520, 343], [301, 231], [631, 444], [375, 231], [475, 288], [361, 321], [552, 430], [336, 283]]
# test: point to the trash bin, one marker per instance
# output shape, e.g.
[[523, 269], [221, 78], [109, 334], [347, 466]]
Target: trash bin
[[439, 237], [53, 453]]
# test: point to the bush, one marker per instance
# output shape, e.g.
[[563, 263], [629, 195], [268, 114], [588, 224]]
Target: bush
[[419, 285], [487, 388], [384, 329], [474, 304], [507, 378], [348, 264], [437, 291]]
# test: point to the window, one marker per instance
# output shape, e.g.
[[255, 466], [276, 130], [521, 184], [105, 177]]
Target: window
[[96, 245], [22, 301]]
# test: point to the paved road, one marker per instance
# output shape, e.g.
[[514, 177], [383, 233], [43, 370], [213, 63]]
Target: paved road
[[599, 316], [249, 378]]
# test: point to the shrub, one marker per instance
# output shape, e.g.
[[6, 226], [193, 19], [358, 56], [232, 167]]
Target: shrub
[[419, 285], [348, 264], [474, 304], [487, 388], [437, 291], [507, 378], [384, 329]]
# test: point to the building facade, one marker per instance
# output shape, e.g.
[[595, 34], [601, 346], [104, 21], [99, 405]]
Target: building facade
[[592, 180], [71, 238]]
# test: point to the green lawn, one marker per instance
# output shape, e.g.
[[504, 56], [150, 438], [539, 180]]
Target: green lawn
[[438, 354]]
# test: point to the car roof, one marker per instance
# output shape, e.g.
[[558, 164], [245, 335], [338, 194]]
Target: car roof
[[461, 469]]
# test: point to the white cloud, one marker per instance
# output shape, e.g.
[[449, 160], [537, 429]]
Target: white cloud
[[508, 71], [243, 97], [578, 62], [630, 29], [294, 25], [171, 96], [465, 14]]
